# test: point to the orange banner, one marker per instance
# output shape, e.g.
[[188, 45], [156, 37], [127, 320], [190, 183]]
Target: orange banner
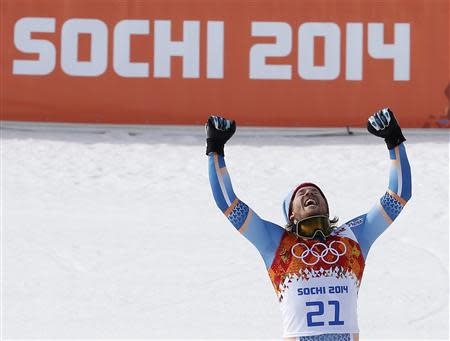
[[267, 62]]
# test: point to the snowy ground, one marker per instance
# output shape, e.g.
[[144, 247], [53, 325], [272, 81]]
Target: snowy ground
[[113, 232]]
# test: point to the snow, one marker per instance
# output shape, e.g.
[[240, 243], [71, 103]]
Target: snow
[[112, 232]]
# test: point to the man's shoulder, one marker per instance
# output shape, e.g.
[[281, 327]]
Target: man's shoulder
[[346, 229], [355, 221]]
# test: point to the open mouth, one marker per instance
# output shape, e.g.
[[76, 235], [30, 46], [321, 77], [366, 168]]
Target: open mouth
[[310, 202]]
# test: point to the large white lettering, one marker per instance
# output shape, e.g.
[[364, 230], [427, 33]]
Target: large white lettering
[[214, 58], [332, 35], [259, 52], [98, 62], [354, 52], [122, 35], [188, 48], [46, 61], [164, 48], [398, 51], [349, 45]]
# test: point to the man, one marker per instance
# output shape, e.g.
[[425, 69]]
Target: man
[[315, 266]]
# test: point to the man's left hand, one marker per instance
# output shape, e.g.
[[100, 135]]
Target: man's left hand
[[384, 124]]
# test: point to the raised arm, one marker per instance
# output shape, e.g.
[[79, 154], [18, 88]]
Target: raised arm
[[261, 233], [368, 227]]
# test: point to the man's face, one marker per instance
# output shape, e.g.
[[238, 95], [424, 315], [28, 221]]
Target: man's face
[[308, 202]]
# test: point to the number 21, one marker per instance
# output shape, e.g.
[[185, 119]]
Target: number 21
[[320, 311]]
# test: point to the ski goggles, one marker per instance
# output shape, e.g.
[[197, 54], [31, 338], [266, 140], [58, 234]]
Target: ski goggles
[[313, 227]]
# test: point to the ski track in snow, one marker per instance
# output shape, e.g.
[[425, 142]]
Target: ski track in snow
[[112, 232]]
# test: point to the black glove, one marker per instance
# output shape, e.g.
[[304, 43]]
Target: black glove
[[218, 131], [384, 124]]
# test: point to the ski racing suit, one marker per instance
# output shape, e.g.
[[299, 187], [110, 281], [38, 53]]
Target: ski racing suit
[[316, 281]]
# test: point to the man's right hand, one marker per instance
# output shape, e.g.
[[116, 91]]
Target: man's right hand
[[218, 131]]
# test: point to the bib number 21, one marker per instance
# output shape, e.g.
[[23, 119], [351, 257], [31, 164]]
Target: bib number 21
[[313, 318]]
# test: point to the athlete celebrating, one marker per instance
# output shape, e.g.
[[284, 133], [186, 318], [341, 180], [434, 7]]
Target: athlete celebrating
[[315, 265]]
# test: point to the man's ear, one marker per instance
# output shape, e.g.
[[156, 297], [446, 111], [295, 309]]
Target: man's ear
[[291, 218]]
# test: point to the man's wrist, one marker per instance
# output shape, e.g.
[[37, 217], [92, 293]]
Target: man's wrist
[[393, 142], [212, 145]]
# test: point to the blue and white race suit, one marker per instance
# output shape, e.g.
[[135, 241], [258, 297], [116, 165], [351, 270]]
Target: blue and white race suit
[[316, 281]]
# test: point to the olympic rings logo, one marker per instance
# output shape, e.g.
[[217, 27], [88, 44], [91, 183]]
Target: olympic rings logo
[[319, 251]]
